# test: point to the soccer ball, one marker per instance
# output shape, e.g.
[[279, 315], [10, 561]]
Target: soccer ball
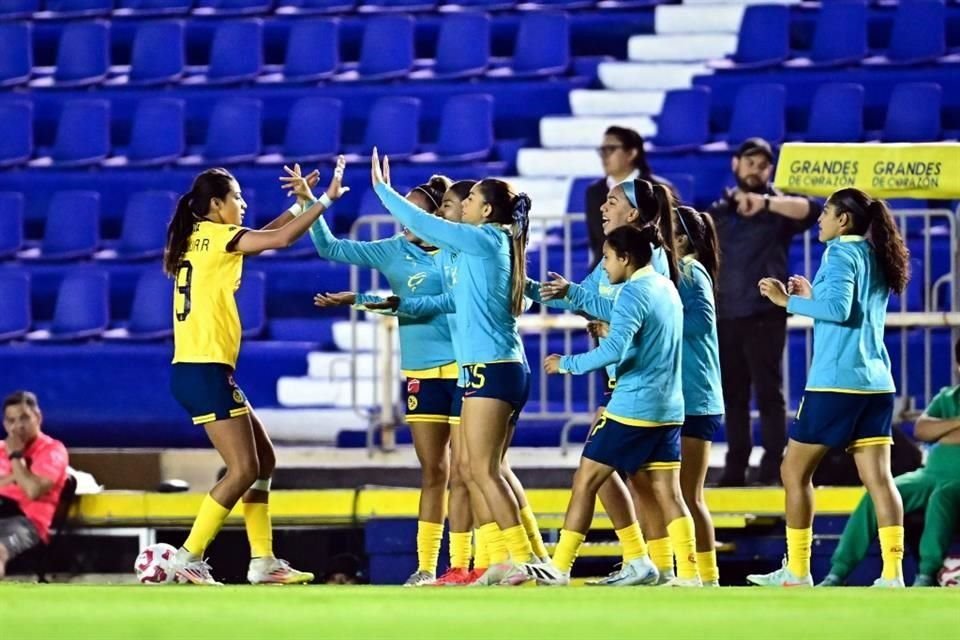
[[154, 564], [949, 575]]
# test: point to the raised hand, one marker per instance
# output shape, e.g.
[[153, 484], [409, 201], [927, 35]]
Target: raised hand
[[379, 175], [556, 288], [774, 291], [336, 190], [299, 185], [799, 286]]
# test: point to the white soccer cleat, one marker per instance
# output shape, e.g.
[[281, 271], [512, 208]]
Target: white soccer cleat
[[420, 579], [892, 583], [496, 573], [546, 574], [782, 577], [271, 570], [665, 577], [194, 572], [641, 571], [711, 583], [683, 582]]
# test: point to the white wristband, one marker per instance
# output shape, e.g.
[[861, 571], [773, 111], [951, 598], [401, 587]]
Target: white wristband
[[296, 210], [325, 201]]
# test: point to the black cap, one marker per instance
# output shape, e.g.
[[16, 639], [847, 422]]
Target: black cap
[[753, 146]]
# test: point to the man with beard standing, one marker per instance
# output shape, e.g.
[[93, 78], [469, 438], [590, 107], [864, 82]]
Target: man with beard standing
[[755, 226]]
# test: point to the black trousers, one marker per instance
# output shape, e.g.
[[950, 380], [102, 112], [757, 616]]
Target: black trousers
[[751, 356]]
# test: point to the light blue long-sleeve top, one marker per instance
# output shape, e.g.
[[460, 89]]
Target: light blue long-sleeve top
[[425, 342], [598, 284], [486, 330], [702, 390], [645, 342], [849, 310]]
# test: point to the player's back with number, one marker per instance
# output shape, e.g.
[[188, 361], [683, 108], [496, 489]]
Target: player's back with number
[[206, 320]]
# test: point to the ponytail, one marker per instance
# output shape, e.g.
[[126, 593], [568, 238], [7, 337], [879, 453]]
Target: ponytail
[[664, 218], [702, 236], [192, 207], [433, 190], [518, 254], [873, 220], [634, 243]]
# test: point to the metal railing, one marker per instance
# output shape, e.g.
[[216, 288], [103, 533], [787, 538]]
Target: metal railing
[[553, 240]]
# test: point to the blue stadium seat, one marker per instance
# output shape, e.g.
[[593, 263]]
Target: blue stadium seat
[[758, 110], [11, 224], [313, 52], [17, 9], [157, 135], [381, 6], [232, 7], [72, 228], [683, 184], [83, 56], [569, 5], [455, 60], [145, 225], [393, 126], [252, 303], [387, 48], [836, 114], [315, 7], [82, 309], [684, 120], [15, 317], [840, 36], [233, 132], [919, 34], [913, 114], [236, 54], [83, 134], [76, 8], [542, 47], [152, 8], [158, 53], [466, 128], [16, 132], [764, 39], [476, 5], [16, 53], [151, 315], [324, 139]]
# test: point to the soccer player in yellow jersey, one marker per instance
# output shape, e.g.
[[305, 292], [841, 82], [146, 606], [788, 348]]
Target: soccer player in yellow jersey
[[206, 243]]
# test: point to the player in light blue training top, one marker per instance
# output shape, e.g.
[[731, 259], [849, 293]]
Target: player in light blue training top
[[487, 289], [849, 395]]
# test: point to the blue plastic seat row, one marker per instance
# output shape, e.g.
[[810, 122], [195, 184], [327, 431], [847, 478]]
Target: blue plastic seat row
[[69, 9], [840, 37], [312, 54], [233, 132], [82, 310], [835, 115]]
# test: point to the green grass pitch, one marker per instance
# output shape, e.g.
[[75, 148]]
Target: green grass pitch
[[82, 611]]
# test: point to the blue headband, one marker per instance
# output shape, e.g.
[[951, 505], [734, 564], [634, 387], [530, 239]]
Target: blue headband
[[631, 191]]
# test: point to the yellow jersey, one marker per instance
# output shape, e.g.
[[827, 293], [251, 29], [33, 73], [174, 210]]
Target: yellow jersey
[[206, 324]]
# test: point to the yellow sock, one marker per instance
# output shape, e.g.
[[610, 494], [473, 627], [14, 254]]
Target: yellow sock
[[707, 565], [661, 553], [683, 540], [799, 542], [518, 544], [496, 544], [533, 532], [256, 519], [205, 528], [567, 549], [429, 536], [460, 547], [631, 539], [891, 550], [481, 554]]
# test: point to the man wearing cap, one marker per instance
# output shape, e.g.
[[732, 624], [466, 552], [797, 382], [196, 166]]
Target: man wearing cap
[[755, 226]]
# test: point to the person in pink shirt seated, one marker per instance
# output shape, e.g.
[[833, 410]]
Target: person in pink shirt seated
[[33, 471]]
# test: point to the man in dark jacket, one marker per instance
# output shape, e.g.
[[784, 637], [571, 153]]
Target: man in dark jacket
[[755, 226]]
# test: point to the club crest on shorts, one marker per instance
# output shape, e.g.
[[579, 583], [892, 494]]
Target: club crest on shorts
[[238, 396], [413, 385], [412, 403]]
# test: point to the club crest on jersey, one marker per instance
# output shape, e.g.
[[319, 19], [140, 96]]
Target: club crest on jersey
[[413, 385], [416, 280], [412, 403]]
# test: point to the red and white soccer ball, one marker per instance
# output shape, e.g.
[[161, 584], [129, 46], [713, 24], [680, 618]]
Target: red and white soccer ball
[[154, 564], [949, 575]]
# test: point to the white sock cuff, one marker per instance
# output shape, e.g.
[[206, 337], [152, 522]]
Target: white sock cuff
[[263, 484]]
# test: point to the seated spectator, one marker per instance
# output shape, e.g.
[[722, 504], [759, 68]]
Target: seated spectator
[[33, 471], [934, 489]]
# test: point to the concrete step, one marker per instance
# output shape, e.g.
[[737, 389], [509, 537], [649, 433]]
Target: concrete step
[[680, 47], [587, 132], [699, 18], [557, 163], [634, 76], [604, 102]]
